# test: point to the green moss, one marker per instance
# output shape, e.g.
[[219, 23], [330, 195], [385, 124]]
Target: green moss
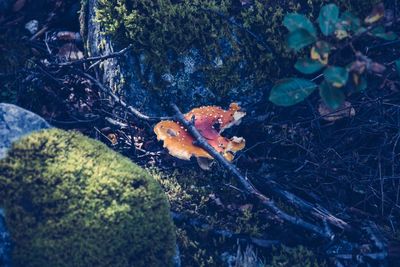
[[298, 256], [70, 201], [165, 29], [204, 196]]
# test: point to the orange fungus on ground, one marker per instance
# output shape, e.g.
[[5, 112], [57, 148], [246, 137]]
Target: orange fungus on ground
[[210, 121]]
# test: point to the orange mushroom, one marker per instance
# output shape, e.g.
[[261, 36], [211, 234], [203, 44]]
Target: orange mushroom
[[210, 121]]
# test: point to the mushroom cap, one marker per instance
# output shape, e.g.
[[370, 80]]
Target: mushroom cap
[[178, 141], [213, 120], [210, 121]]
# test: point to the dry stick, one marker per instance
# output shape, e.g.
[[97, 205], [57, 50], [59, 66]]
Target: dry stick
[[36, 35], [315, 210], [104, 57], [244, 181], [117, 99], [250, 189]]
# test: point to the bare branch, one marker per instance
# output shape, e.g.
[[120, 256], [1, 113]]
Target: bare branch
[[118, 100], [250, 190], [97, 58]]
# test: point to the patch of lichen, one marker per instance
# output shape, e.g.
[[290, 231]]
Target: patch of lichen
[[70, 201], [166, 29]]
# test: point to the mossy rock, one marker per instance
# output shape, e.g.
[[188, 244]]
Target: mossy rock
[[71, 201], [198, 52]]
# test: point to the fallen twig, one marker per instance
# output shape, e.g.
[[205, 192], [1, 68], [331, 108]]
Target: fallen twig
[[97, 58], [118, 100], [305, 206], [250, 190]]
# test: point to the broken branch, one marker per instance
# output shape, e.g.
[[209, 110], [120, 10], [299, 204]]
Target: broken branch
[[97, 58], [250, 189], [117, 99]]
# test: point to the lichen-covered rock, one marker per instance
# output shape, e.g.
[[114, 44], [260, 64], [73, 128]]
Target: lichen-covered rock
[[195, 52], [71, 201], [16, 122]]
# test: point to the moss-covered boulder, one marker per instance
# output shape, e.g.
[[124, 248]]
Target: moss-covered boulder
[[196, 52], [71, 201]]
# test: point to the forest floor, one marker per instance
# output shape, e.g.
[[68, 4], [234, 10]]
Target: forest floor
[[349, 166]]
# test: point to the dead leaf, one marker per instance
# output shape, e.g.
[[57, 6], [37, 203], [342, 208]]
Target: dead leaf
[[68, 36], [344, 111], [376, 67], [69, 52], [377, 13], [113, 138]]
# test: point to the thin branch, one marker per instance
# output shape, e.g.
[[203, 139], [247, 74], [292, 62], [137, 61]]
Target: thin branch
[[250, 189], [118, 100], [97, 58]]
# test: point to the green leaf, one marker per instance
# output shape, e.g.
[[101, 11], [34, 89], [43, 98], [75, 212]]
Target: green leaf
[[361, 30], [299, 38], [308, 66], [380, 32], [327, 19], [294, 21], [336, 76], [377, 14], [397, 62], [332, 97], [288, 92], [350, 21]]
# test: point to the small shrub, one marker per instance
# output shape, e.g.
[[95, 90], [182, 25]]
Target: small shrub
[[338, 32]]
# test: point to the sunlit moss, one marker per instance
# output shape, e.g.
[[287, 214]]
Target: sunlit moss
[[232, 55], [71, 201], [193, 194]]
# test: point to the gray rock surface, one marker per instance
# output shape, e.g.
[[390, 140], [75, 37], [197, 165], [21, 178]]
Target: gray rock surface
[[188, 88], [118, 71], [15, 122]]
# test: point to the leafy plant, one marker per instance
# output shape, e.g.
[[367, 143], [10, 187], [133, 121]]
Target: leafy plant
[[339, 77]]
